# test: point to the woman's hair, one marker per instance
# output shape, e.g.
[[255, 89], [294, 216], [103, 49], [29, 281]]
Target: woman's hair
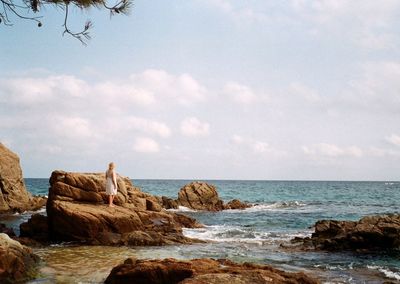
[[111, 166]]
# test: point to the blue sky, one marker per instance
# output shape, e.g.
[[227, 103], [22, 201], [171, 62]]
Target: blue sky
[[218, 89]]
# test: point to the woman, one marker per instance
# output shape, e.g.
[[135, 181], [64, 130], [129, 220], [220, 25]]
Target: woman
[[111, 184]]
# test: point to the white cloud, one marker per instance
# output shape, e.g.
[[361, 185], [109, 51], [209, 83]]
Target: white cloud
[[367, 23], [37, 90], [193, 127], [393, 139], [237, 139], [304, 92], [256, 146], [376, 88], [239, 14], [183, 89], [240, 93], [332, 150], [147, 126], [146, 145]]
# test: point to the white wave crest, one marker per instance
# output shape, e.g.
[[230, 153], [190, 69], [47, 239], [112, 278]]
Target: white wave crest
[[387, 272], [235, 234], [182, 209], [276, 206]]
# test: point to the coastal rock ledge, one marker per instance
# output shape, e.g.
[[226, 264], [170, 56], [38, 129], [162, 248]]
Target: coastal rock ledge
[[371, 233], [17, 262], [201, 271], [13, 195], [77, 211]]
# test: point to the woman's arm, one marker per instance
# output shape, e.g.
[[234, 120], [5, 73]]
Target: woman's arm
[[115, 179]]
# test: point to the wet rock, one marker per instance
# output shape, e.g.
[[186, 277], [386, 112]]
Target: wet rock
[[36, 228], [9, 231], [13, 194], [17, 262], [200, 196], [77, 211], [200, 271], [370, 233], [236, 204]]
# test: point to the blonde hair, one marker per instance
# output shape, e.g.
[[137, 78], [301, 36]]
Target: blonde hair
[[111, 166]]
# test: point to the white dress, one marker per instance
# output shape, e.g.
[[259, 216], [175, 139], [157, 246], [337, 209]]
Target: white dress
[[110, 188]]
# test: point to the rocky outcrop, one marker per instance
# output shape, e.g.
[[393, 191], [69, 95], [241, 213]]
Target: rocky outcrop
[[77, 211], [204, 196], [36, 228], [17, 262], [368, 234], [236, 204], [200, 196], [200, 271], [9, 231], [13, 194]]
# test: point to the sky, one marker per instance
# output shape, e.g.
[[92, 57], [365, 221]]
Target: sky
[[208, 89]]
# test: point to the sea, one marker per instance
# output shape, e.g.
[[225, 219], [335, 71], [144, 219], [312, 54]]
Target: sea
[[282, 210]]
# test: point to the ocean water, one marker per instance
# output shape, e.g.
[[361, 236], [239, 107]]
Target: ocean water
[[283, 210]]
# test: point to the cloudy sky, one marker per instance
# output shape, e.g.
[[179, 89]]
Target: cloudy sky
[[209, 89]]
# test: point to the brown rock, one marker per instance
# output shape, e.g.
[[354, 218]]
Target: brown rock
[[236, 204], [200, 196], [169, 203], [13, 194], [369, 233], [36, 228], [76, 212], [9, 231], [204, 271], [17, 262]]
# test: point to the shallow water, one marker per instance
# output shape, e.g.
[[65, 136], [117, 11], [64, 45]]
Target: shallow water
[[284, 209]]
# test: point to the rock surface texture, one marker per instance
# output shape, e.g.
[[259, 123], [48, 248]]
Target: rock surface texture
[[200, 271], [13, 194], [203, 196], [77, 211], [200, 196], [17, 262], [368, 234]]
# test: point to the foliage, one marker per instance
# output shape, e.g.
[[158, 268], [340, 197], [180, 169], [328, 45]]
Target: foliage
[[22, 9]]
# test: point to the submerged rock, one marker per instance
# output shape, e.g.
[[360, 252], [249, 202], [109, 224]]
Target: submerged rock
[[200, 271], [368, 234], [13, 193], [77, 211], [17, 262]]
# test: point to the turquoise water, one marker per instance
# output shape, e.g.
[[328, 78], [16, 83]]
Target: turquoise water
[[283, 210]]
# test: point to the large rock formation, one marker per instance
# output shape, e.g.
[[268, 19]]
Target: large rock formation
[[369, 233], [17, 262], [13, 194], [200, 196], [200, 271], [203, 196], [77, 211]]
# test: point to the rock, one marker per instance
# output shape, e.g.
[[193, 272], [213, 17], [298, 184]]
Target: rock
[[77, 211], [169, 203], [200, 196], [368, 234], [17, 262], [200, 271], [9, 231], [236, 204], [13, 194], [36, 228]]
